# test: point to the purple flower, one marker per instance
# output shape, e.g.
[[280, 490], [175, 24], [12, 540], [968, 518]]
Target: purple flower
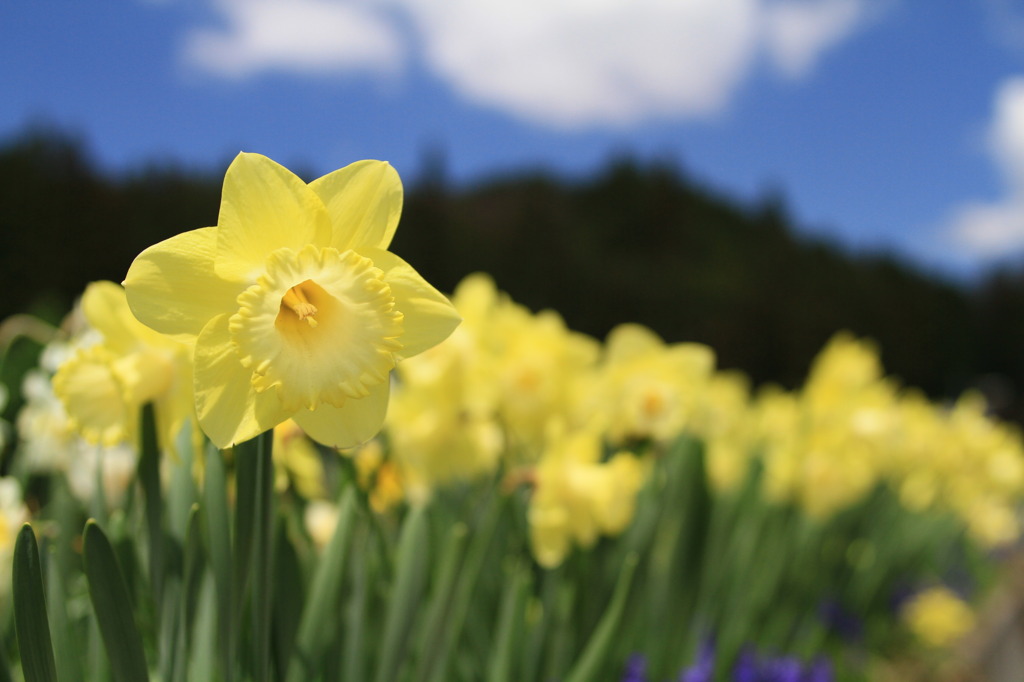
[[841, 620], [636, 669], [704, 669], [784, 669], [820, 671], [747, 668], [751, 667]]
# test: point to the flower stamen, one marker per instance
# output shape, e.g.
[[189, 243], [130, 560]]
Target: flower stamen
[[296, 299]]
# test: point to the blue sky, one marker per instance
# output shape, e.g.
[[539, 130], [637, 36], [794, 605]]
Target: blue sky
[[889, 125]]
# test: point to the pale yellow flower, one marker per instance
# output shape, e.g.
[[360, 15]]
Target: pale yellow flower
[[443, 418], [295, 306], [297, 461], [826, 446], [104, 386], [13, 514], [320, 519], [938, 617], [542, 374], [653, 390], [578, 497]]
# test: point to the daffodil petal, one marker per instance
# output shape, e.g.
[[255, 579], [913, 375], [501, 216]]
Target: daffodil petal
[[357, 421], [429, 316], [629, 341], [230, 411], [172, 287], [106, 309], [93, 397], [364, 202], [264, 207]]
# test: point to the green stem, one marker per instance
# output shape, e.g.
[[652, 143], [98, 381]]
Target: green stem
[[263, 555]]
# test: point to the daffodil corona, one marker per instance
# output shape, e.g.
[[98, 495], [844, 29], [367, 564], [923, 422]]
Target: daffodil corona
[[294, 304]]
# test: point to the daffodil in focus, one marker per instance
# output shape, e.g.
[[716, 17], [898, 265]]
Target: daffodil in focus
[[295, 306]]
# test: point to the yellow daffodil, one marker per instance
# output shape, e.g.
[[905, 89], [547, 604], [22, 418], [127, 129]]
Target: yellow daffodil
[[297, 462], [13, 513], [578, 497], [442, 423], [295, 305], [654, 389], [103, 386], [938, 617], [543, 371]]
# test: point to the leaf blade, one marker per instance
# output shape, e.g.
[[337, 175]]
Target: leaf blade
[[30, 620], [111, 602]]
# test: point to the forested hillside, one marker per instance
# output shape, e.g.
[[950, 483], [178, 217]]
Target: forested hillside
[[634, 243]]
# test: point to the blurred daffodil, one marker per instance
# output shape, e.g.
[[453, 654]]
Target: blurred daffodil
[[295, 306], [103, 386], [938, 617], [297, 462], [654, 389], [578, 497]]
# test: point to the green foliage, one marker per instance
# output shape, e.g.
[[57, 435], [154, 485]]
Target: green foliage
[[31, 622], [382, 602]]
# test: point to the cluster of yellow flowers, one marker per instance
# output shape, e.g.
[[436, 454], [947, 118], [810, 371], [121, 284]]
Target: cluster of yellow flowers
[[850, 427], [514, 388], [580, 421]]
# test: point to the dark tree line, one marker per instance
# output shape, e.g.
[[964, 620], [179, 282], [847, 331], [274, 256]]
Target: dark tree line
[[636, 242]]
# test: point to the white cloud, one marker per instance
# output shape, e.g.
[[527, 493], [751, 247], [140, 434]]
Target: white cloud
[[990, 230], [565, 62], [297, 36], [585, 62], [561, 63], [997, 228], [797, 31]]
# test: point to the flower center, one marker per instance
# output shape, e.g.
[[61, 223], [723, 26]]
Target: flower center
[[318, 326], [296, 300]]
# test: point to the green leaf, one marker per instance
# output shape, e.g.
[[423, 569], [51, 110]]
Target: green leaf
[[67, 649], [112, 605], [253, 546], [432, 633], [202, 653], [170, 616], [217, 533], [460, 605], [181, 488], [289, 596], [410, 577], [195, 561], [510, 625], [590, 664], [246, 483], [320, 608], [353, 650], [263, 557], [149, 477], [30, 619]]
